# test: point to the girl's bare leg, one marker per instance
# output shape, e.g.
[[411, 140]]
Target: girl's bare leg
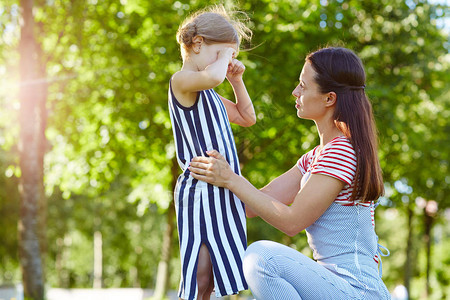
[[205, 279]]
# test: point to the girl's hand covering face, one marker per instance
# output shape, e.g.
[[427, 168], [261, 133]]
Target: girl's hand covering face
[[235, 70], [213, 169], [227, 52]]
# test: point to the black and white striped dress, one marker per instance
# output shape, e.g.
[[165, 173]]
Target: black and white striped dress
[[207, 214]]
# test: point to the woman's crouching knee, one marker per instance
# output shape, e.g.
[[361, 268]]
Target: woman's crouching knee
[[256, 258]]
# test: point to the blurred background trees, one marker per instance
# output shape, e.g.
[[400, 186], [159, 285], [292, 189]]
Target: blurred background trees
[[109, 167]]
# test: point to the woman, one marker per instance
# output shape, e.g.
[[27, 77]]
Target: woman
[[330, 192]]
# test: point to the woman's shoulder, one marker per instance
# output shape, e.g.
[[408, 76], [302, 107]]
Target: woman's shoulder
[[306, 159], [337, 159], [311, 153], [340, 144]]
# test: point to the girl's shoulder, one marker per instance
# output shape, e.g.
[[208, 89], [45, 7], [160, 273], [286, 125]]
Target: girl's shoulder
[[192, 81], [177, 78], [184, 100], [180, 79]]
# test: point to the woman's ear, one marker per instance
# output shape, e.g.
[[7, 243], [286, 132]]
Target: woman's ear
[[197, 42], [331, 99]]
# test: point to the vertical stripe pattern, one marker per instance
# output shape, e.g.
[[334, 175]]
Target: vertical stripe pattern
[[207, 214]]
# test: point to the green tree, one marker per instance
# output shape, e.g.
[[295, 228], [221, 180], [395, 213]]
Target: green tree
[[32, 119], [110, 162]]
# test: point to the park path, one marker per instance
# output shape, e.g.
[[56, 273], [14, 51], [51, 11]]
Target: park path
[[15, 293]]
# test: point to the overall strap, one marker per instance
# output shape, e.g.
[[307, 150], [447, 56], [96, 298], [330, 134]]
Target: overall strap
[[380, 247]]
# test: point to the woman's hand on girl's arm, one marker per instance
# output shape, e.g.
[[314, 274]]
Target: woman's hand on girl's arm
[[214, 169], [309, 204]]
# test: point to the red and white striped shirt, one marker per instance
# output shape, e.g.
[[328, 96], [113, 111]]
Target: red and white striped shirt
[[338, 160]]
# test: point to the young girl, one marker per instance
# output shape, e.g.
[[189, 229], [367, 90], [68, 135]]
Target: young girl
[[211, 220], [330, 192]]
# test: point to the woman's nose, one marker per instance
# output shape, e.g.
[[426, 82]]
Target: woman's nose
[[296, 92]]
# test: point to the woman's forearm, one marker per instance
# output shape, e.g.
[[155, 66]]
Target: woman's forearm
[[289, 219], [268, 208]]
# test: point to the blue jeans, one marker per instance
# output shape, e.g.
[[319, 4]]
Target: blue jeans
[[275, 271]]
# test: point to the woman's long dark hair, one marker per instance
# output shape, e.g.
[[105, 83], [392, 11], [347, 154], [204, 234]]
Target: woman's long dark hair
[[341, 71]]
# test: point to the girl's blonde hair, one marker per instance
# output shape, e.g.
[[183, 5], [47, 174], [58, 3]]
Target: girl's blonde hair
[[216, 25]]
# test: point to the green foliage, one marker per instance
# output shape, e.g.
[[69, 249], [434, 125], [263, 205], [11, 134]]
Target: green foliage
[[110, 142], [131, 244], [9, 210], [9, 171]]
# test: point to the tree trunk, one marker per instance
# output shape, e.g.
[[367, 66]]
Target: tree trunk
[[409, 253], [162, 277], [42, 94], [31, 158], [59, 259], [98, 260], [428, 225]]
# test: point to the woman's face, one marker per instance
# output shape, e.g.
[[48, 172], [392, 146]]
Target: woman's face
[[308, 98]]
